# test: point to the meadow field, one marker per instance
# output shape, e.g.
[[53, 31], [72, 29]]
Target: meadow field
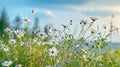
[[54, 47]]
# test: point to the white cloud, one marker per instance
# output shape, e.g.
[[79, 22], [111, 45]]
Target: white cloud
[[45, 12], [49, 13], [112, 8], [99, 5]]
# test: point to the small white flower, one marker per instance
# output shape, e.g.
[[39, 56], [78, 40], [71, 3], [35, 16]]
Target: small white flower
[[58, 60], [85, 50], [22, 44], [52, 42], [85, 57], [105, 26], [49, 43], [56, 36], [47, 66], [18, 65], [7, 63], [26, 19], [7, 30], [5, 48], [40, 34], [19, 33], [12, 41], [38, 43], [77, 46], [53, 51], [35, 40], [84, 22], [50, 30], [65, 26], [93, 19], [93, 31], [97, 58]]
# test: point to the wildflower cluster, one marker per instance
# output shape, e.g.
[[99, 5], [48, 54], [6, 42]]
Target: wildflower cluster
[[51, 47]]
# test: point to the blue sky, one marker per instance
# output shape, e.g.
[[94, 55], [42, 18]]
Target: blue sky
[[59, 12]]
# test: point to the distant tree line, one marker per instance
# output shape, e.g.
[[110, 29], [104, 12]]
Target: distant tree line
[[4, 23], [16, 24]]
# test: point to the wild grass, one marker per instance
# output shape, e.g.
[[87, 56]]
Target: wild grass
[[52, 47]]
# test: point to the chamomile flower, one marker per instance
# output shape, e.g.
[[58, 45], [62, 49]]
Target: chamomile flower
[[53, 51], [26, 19], [19, 33], [18, 65], [35, 40], [93, 19], [12, 41], [7, 63], [40, 34], [7, 30], [85, 50], [93, 31], [5, 48], [83, 22], [50, 30], [65, 26]]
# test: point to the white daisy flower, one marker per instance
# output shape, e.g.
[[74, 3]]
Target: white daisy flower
[[7, 30], [12, 41], [85, 57], [84, 22], [26, 19], [5, 48], [76, 45], [7, 63], [18, 65], [50, 30], [93, 19], [53, 51], [40, 34], [85, 50], [19, 33], [35, 40]]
